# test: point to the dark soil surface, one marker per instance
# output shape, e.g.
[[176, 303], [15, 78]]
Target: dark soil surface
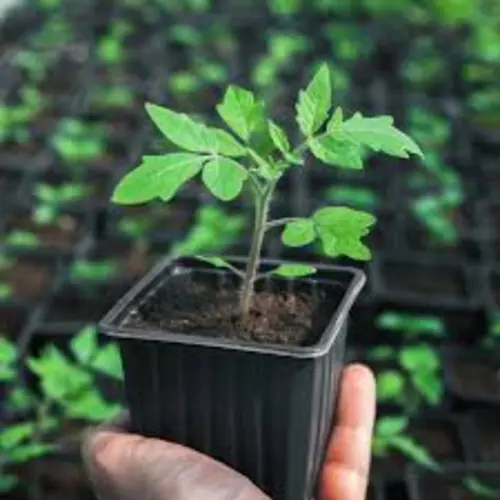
[[475, 378], [196, 307]]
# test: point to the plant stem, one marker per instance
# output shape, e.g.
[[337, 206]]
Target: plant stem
[[262, 203], [42, 413], [280, 222]]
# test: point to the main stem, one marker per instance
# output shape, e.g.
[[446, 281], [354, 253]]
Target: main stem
[[261, 215]]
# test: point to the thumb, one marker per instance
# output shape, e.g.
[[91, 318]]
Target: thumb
[[131, 467]]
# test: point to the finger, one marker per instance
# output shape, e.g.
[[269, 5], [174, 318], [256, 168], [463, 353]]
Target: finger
[[346, 470], [127, 466]]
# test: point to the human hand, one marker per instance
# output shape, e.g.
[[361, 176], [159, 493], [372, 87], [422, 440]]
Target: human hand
[[128, 467]]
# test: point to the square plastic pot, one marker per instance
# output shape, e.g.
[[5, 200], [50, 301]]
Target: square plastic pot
[[265, 410]]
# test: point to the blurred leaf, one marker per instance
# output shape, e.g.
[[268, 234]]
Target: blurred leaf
[[294, 270], [84, 344]]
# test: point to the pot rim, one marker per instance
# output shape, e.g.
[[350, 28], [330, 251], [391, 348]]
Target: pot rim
[[111, 323]]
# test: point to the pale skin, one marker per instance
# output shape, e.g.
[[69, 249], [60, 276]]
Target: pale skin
[[128, 467]]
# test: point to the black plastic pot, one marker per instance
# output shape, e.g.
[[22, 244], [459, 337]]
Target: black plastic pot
[[265, 410], [472, 375], [481, 435], [449, 482]]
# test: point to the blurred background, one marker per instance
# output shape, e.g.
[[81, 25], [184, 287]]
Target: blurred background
[[74, 76]]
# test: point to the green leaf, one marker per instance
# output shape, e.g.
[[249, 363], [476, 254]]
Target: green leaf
[[279, 138], [179, 128], [21, 399], [92, 407], [390, 426], [15, 434], [341, 229], [419, 357], [338, 150], [21, 238], [8, 351], [8, 482], [240, 110], [390, 386], [411, 324], [315, 102], [224, 178], [430, 385], [298, 233], [5, 291], [108, 361], [335, 123], [84, 344], [415, 452], [157, 177], [215, 261], [381, 353], [25, 453], [192, 136], [379, 134], [59, 377], [480, 489], [294, 270]]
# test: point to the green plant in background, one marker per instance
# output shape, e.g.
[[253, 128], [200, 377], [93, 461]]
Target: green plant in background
[[68, 391], [223, 41], [424, 65], [391, 435], [77, 141], [410, 325], [5, 288], [441, 184], [48, 4], [416, 379], [180, 6], [50, 200], [362, 198], [21, 238], [15, 119], [203, 69], [282, 50], [213, 230], [349, 43], [480, 489], [186, 35], [492, 338], [285, 7], [437, 211], [113, 96], [111, 49], [98, 271], [8, 358], [35, 64], [203, 73], [430, 129], [217, 155]]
